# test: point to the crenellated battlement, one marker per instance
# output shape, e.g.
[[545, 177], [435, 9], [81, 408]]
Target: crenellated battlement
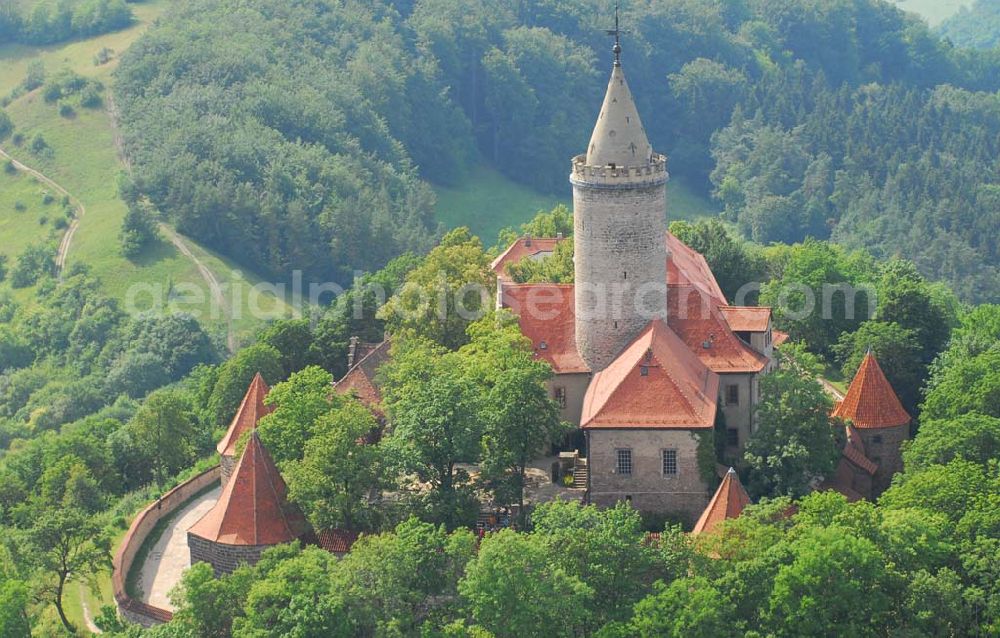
[[653, 174]]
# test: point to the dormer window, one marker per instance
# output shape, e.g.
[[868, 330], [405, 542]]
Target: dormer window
[[543, 346], [644, 371]]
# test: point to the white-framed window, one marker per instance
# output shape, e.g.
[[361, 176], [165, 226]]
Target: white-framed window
[[669, 462], [732, 394], [623, 462], [560, 397]]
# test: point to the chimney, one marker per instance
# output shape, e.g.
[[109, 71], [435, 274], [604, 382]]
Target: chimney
[[352, 352], [559, 235]]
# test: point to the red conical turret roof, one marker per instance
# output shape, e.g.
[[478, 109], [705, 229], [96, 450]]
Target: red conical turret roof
[[253, 508], [251, 410], [871, 402], [728, 502]]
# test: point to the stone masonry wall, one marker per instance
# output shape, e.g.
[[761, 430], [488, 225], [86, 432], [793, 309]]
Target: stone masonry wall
[[620, 251], [684, 495], [223, 558], [887, 454], [227, 464]]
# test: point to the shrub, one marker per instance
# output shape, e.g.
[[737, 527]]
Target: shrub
[[6, 126], [60, 223], [47, 198], [20, 207], [18, 139], [38, 143], [35, 262], [35, 76], [44, 219], [9, 168], [91, 98], [52, 92], [65, 110]]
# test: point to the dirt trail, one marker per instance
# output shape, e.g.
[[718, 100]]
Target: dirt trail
[[831, 390], [81, 210], [87, 618], [213, 284]]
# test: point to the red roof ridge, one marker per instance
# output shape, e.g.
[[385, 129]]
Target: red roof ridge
[[727, 503], [548, 321], [870, 401], [251, 410], [680, 394], [519, 249], [747, 318], [697, 319], [253, 507]]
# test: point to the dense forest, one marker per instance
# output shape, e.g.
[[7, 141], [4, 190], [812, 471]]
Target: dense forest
[[303, 138], [55, 21], [976, 27]]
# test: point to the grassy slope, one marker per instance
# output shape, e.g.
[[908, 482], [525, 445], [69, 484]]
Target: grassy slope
[[489, 201], [18, 228], [934, 11], [83, 158]]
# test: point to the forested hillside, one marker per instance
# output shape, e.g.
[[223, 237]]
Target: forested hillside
[[977, 26], [51, 21], [298, 136]]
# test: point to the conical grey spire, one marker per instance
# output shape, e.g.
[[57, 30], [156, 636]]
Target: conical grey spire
[[619, 138]]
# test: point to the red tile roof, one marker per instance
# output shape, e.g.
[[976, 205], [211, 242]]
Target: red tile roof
[[524, 247], [547, 315], [728, 502], [676, 391], [854, 451], [697, 320], [361, 380], [337, 541], [697, 312], [685, 266], [251, 410], [778, 337], [871, 401], [253, 508], [747, 318]]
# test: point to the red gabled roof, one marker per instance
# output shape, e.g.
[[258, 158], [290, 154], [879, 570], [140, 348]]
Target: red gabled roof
[[547, 315], [361, 380], [697, 320], [747, 318], [686, 266], [253, 508], [854, 451], [524, 247], [337, 541], [778, 337], [251, 410], [676, 391], [871, 401], [728, 502]]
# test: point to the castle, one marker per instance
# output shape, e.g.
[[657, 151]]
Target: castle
[[649, 359]]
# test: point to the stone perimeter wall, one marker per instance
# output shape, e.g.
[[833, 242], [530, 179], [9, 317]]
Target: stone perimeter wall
[[223, 558], [135, 610]]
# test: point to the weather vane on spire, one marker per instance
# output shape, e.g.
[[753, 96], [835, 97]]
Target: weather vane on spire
[[617, 32]]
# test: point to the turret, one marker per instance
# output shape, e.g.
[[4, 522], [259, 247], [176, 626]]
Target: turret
[[619, 207]]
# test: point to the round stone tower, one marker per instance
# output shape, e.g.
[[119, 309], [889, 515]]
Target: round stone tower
[[619, 209]]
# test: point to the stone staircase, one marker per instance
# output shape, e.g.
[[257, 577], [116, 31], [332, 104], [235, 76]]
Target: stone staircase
[[580, 473]]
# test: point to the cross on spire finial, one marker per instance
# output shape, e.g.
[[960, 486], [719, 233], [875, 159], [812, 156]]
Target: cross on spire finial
[[617, 32]]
